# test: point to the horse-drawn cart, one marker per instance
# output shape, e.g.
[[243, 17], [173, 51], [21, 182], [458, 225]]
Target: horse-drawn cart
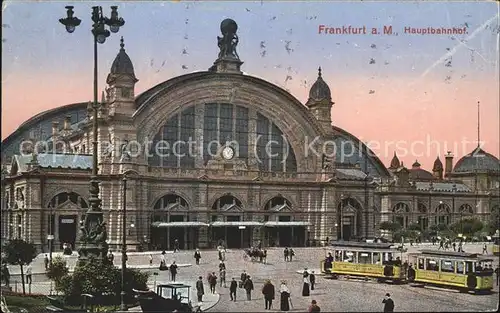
[[168, 298]]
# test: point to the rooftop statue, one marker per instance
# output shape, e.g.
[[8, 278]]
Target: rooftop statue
[[229, 40]]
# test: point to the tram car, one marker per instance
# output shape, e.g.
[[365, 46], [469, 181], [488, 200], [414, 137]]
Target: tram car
[[168, 298], [457, 270], [369, 260], [496, 244]]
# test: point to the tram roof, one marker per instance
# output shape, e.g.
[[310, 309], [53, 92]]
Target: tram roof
[[464, 255], [364, 245]]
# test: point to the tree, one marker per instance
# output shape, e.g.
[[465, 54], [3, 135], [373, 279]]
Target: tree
[[468, 226], [391, 227], [19, 252], [414, 226], [102, 280]]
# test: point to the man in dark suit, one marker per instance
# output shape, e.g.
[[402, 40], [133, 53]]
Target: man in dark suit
[[388, 303], [232, 289], [312, 279]]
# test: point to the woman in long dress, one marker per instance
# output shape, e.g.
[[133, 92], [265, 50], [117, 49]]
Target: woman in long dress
[[285, 297], [305, 288]]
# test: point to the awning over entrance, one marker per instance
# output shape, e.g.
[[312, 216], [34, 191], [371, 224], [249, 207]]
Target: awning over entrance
[[283, 224], [242, 223], [178, 224]]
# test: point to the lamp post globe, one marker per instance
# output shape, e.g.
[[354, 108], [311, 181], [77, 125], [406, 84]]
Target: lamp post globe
[[114, 28], [101, 38], [70, 28]]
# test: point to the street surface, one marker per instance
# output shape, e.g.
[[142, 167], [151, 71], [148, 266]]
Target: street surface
[[331, 295]]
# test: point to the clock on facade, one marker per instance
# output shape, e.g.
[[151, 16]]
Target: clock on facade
[[228, 153]]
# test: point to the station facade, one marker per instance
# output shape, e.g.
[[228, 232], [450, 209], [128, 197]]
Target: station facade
[[219, 155]]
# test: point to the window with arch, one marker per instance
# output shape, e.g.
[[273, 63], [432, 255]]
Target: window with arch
[[60, 201], [64, 197], [423, 219], [280, 207], [223, 123], [171, 208], [465, 210], [230, 206], [401, 214], [443, 214], [226, 203]]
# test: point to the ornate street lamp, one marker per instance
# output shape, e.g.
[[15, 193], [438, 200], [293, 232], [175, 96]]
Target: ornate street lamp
[[93, 230]]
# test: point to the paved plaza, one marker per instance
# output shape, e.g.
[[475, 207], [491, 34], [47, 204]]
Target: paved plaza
[[331, 295]]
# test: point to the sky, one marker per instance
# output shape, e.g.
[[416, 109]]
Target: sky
[[416, 94]]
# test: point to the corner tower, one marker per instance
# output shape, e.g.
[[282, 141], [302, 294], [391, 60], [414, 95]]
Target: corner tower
[[320, 102], [121, 81]]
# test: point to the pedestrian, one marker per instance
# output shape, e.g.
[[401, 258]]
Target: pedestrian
[[223, 278], [441, 245], [222, 266], [388, 303], [284, 297], [176, 245], [212, 280], [232, 289], [314, 307], [265, 256], [285, 254], [312, 279], [248, 286], [220, 254], [150, 260], [111, 257], [454, 244], [268, 291], [197, 256], [173, 270], [6, 274], [29, 273], [305, 288], [485, 249], [292, 254], [243, 277], [200, 291], [46, 262], [497, 272]]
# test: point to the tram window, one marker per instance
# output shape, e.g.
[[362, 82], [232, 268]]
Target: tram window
[[376, 258], [420, 264], [479, 266], [469, 267], [350, 256], [431, 265], [460, 267], [447, 266], [364, 258]]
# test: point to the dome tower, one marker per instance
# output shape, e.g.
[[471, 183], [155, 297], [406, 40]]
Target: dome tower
[[320, 102]]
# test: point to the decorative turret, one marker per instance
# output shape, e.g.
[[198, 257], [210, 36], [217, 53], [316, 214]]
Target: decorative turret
[[394, 162], [121, 80], [415, 165], [320, 102], [437, 169], [448, 167]]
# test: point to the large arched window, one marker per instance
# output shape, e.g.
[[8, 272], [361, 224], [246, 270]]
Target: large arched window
[[423, 219], [401, 214], [226, 203], [67, 198], [465, 210], [443, 214], [171, 208], [177, 144], [280, 207]]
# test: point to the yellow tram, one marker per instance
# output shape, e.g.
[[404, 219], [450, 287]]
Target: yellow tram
[[374, 260], [463, 271], [496, 244]]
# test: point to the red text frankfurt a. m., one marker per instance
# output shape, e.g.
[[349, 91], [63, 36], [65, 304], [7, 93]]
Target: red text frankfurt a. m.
[[344, 30], [435, 30]]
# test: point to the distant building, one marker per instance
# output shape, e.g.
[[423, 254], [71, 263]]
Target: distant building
[[250, 176]]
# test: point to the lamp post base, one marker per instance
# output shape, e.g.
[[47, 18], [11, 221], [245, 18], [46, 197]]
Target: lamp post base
[[123, 306]]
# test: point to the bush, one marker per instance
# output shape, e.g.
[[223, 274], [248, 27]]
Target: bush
[[469, 226], [57, 270], [103, 281]]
